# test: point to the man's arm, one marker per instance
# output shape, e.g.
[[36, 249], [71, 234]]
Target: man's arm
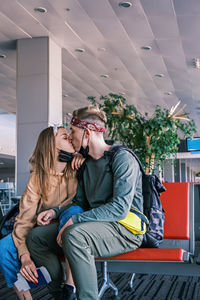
[[126, 176]]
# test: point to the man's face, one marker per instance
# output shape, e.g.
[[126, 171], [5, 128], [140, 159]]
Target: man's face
[[76, 137]]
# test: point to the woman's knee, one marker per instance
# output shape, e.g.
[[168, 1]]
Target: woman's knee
[[3, 246], [8, 252], [6, 244]]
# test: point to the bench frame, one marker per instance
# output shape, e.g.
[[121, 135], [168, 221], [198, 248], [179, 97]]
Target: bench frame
[[187, 267]]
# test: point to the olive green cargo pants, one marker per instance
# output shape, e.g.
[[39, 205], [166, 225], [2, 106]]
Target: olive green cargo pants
[[81, 244]]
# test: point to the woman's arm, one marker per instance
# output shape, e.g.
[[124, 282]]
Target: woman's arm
[[28, 268], [45, 217], [77, 161], [26, 218]]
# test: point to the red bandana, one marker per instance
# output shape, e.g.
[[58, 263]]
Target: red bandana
[[84, 124]]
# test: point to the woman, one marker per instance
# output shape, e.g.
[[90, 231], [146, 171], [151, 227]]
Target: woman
[[51, 183]]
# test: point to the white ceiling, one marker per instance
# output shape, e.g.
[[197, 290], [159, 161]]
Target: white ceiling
[[113, 38]]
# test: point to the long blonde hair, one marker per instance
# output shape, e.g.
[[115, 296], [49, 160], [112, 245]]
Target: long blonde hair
[[43, 160]]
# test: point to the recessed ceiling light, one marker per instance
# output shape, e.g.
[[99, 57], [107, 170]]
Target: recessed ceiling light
[[65, 95], [104, 75], [196, 62], [168, 93], [67, 9], [159, 75], [122, 93], [125, 4], [40, 9], [101, 49], [80, 50], [146, 48], [2, 56]]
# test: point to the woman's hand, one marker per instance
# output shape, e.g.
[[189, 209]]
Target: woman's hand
[[59, 240], [45, 217], [28, 268], [77, 161]]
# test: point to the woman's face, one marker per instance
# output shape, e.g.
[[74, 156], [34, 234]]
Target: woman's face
[[63, 141]]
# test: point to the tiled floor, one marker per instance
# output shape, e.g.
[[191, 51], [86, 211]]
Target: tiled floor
[[147, 287]]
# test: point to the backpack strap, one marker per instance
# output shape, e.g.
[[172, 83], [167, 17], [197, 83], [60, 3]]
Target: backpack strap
[[157, 186], [117, 148]]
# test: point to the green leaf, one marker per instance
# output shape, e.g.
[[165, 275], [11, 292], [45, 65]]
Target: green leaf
[[163, 129]]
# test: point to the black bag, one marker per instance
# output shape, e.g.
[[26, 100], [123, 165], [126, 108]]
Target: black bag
[[151, 189], [7, 222]]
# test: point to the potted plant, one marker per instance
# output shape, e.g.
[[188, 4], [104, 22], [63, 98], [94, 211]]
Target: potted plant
[[154, 138]]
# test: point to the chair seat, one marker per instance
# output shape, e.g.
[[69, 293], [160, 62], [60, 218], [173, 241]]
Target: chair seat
[[151, 254]]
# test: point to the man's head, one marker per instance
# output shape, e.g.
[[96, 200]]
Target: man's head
[[87, 122]]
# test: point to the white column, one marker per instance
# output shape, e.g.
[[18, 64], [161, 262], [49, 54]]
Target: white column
[[188, 170], [192, 175], [186, 173], [168, 170], [39, 97], [177, 174], [183, 171]]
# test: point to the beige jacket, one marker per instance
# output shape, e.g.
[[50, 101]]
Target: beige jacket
[[61, 193]]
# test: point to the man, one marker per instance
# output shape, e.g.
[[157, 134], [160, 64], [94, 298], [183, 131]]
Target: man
[[105, 195]]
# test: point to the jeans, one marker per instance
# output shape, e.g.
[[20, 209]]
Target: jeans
[[67, 214], [9, 262]]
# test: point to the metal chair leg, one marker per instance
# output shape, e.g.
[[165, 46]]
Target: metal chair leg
[[131, 287], [107, 282]]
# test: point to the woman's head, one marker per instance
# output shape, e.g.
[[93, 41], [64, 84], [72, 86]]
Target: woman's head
[[45, 154], [63, 141], [49, 142]]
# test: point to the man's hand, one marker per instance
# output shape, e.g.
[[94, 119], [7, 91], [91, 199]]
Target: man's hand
[[59, 240], [45, 217], [28, 268], [77, 161]]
